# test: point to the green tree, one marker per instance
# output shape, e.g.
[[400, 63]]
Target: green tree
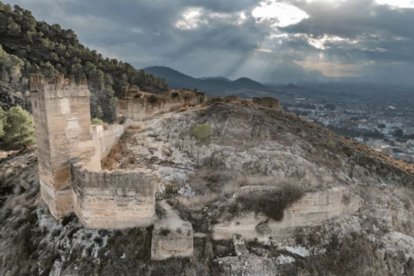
[[99, 112], [19, 130]]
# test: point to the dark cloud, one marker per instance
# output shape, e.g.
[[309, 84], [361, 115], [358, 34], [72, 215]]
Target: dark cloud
[[215, 37]]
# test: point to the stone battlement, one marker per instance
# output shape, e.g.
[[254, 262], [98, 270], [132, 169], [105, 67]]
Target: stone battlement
[[58, 87], [106, 199], [139, 105]]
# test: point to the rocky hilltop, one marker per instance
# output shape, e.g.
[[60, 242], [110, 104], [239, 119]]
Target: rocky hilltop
[[261, 191]]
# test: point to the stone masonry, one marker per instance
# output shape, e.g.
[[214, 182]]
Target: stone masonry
[[70, 151], [62, 120]]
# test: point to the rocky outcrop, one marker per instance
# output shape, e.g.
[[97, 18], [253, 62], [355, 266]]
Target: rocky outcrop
[[171, 237], [248, 264]]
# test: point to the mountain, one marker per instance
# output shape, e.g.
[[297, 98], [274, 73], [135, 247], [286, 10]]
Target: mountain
[[250, 84], [216, 86], [215, 78]]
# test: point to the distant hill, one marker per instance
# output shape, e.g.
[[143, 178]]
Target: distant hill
[[216, 86]]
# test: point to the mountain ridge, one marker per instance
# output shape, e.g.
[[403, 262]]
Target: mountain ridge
[[216, 86]]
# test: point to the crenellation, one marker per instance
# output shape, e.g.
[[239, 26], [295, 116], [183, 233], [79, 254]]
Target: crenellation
[[58, 87], [139, 105]]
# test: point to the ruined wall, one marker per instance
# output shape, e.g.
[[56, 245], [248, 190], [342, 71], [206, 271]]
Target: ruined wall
[[64, 132], [62, 121], [113, 199], [107, 137], [140, 105], [267, 102], [172, 236], [311, 210]]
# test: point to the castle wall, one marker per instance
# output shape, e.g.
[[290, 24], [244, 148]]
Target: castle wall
[[62, 121], [172, 236], [311, 210], [141, 105], [111, 200], [267, 102], [107, 138], [64, 132]]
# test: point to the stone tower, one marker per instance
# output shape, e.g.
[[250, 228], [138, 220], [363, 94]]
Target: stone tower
[[62, 120]]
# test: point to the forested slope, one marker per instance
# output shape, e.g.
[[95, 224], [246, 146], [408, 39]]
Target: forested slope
[[31, 46]]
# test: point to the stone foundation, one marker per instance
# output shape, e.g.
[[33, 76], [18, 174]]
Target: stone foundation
[[311, 210], [60, 202], [171, 237]]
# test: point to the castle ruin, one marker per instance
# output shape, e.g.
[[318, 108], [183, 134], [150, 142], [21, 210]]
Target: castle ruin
[[70, 151]]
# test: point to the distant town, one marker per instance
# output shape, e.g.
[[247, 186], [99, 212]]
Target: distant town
[[386, 128]]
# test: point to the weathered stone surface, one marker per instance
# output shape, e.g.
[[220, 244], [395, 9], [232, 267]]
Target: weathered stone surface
[[140, 105], [62, 120], [267, 102], [312, 209], [239, 245], [171, 237], [113, 200], [63, 132], [246, 264]]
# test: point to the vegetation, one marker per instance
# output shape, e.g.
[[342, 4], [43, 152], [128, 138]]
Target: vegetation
[[202, 131], [10, 66], [153, 99], [30, 46], [272, 203], [97, 121], [16, 128], [2, 121]]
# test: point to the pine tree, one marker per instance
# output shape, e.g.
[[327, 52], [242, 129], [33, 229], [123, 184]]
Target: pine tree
[[19, 131]]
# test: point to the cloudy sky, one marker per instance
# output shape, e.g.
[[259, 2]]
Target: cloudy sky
[[269, 40]]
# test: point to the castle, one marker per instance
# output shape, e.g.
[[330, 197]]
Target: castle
[[70, 151], [72, 180]]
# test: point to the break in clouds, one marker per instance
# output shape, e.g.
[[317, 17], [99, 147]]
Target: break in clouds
[[271, 41]]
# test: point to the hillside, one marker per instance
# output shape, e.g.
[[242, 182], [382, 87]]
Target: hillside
[[31, 46], [352, 206], [185, 184], [218, 86]]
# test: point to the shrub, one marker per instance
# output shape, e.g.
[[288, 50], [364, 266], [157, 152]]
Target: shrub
[[153, 99], [202, 131], [272, 203], [18, 130], [97, 121]]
